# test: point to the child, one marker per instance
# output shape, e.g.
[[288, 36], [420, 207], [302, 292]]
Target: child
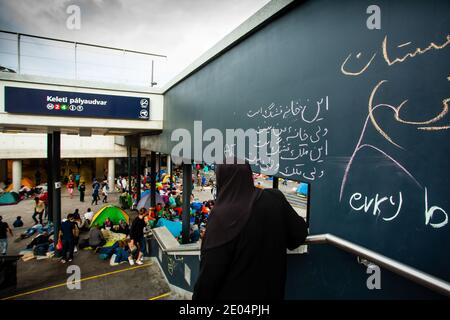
[[18, 223], [70, 186]]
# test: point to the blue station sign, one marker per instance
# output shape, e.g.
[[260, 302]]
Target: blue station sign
[[75, 104]]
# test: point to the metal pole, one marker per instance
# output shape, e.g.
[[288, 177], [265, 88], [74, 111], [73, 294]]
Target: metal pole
[[76, 71], [169, 165], [18, 53], [130, 150], [275, 182], [138, 180], [50, 179], [153, 179], [151, 80], [187, 190], [56, 173]]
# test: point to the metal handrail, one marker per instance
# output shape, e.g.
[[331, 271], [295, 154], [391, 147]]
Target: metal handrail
[[415, 275], [83, 44]]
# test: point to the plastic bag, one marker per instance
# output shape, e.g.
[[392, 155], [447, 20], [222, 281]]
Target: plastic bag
[[59, 245]]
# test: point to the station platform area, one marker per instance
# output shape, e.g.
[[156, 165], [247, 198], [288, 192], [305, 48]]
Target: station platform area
[[46, 279]]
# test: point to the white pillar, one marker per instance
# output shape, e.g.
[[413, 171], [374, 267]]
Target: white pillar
[[16, 174], [169, 164], [111, 175]]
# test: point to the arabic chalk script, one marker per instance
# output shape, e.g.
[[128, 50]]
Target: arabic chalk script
[[303, 144]]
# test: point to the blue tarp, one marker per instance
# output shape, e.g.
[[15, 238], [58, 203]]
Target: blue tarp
[[303, 189], [197, 206], [173, 226]]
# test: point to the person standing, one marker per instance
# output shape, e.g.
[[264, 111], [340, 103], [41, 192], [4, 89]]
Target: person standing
[[39, 208], [70, 186], [4, 230], [77, 179], [66, 235], [125, 184], [82, 190], [105, 193], [95, 187], [137, 235], [239, 260], [44, 197]]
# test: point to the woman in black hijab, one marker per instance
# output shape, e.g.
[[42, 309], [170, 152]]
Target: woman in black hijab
[[243, 254]]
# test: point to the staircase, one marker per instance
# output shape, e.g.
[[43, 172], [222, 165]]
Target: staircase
[[296, 201]]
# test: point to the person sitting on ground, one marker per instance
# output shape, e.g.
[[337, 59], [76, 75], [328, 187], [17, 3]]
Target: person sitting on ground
[[89, 215], [18, 223], [132, 251], [194, 234], [123, 227], [108, 224], [30, 231], [121, 254], [96, 238], [40, 244], [25, 191]]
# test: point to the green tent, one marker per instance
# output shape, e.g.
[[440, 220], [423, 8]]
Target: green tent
[[115, 214], [9, 198]]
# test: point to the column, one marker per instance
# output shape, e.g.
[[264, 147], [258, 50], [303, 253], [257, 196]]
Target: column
[[16, 175], [169, 168], [153, 179], [50, 179], [138, 178], [56, 174], [111, 175], [130, 150], [169, 165], [275, 182], [187, 190], [3, 170]]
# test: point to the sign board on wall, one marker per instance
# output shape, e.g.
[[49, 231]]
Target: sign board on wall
[[75, 104]]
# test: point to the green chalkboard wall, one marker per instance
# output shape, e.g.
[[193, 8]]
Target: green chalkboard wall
[[363, 118]]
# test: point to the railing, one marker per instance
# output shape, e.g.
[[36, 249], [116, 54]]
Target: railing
[[66, 47], [417, 276], [399, 268]]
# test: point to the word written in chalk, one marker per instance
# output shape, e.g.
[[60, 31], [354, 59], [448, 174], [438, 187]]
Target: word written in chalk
[[393, 205]]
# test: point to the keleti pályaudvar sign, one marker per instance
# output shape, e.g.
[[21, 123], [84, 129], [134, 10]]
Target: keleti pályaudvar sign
[[75, 104]]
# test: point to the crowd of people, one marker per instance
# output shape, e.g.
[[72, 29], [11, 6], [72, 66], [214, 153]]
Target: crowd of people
[[77, 232]]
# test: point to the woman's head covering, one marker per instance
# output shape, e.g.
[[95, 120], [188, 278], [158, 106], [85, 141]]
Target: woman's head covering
[[233, 206]]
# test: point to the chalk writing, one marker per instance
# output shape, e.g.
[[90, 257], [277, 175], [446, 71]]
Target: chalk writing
[[375, 204], [424, 125], [359, 203], [304, 143]]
